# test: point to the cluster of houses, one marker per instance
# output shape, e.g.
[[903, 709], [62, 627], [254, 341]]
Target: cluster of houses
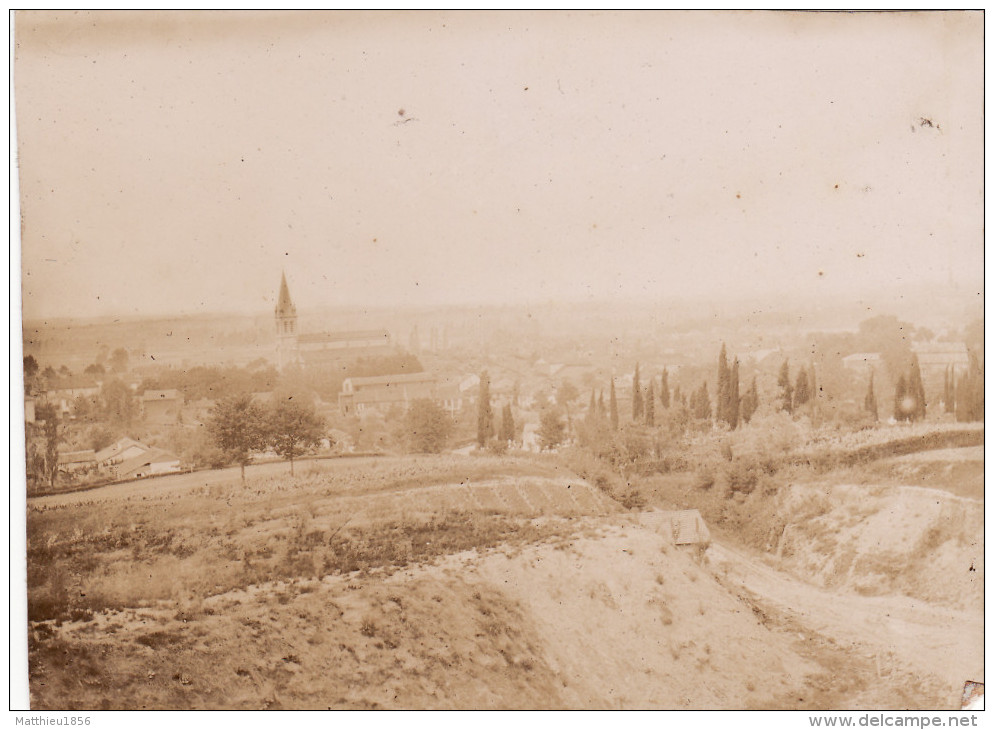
[[123, 459], [155, 407]]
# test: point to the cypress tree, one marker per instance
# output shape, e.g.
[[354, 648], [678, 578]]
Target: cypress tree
[[733, 395], [916, 389], [650, 407], [664, 390], [801, 393], [948, 397], [750, 402], [870, 401], [638, 404], [700, 403], [614, 407], [601, 410], [901, 411], [970, 393], [786, 392], [484, 414], [507, 424], [723, 397], [678, 397]]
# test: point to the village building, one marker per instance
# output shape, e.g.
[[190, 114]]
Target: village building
[[936, 358], [74, 462], [863, 362], [384, 392], [120, 451], [455, 395], [63, 393], [150, 463], [130, 459], [161, 407], [316, 349]]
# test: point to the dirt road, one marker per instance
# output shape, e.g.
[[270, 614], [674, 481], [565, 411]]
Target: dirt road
[[900, 634], [184, 482]]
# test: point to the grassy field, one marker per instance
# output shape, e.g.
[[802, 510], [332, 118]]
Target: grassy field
[[150, 547]]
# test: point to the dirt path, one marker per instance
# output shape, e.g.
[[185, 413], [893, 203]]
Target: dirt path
[[184, 482], [900, 634]]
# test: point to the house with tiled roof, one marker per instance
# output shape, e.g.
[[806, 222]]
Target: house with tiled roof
[[383, 392]]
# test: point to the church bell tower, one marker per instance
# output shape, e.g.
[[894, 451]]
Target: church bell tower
[[286, 327]]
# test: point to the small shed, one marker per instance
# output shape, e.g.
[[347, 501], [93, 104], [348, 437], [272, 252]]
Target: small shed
[[683, 527]]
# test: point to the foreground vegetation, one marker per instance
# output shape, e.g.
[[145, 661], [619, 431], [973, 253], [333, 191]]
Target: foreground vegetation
[[183, 547]]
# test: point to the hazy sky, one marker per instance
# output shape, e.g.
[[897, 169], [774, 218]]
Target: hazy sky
[[176, 162]]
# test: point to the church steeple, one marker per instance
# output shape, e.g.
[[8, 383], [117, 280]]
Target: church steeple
[[286, 326], [284, 305]]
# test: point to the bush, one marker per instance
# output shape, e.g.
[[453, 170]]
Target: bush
[[428, 427]]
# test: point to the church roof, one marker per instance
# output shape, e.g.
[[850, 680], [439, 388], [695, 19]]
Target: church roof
[[346, 336], [284, 305]]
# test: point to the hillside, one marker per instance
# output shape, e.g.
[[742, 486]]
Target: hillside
[[459, 583]]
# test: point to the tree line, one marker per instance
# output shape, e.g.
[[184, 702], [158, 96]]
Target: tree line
[[239, 426]]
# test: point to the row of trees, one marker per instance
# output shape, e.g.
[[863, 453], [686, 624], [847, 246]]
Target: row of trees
[[963, 397], [239, 427]]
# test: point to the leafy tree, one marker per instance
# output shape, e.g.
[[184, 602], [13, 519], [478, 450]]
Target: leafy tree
[[889, 336], [119, 360], [53, 437], [294, 428], [786, 391], [650, 406], [750, 402], [119, 403], [93, 369], [100, 437], [484, 413], [429, 426], [664, 389], [238, 427], [506, 434], [87, 409], [614, 407], [870, 401], [551, 429], [638, 405], [30, 367]]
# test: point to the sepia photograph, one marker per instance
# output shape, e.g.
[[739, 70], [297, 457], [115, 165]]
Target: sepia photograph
[[498, 360]]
